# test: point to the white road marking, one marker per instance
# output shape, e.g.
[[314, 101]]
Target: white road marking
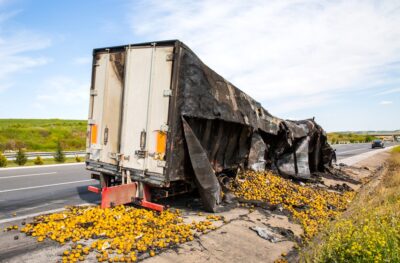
[[31, 208], [7, 220], [47, 185], [357, 158], [339, 153], [41, 166], [25, 175]]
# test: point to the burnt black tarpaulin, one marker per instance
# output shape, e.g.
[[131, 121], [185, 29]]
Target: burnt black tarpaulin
[[206, 180], [223, 129]]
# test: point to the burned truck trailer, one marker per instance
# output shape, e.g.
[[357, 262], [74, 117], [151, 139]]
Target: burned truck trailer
[[162, 123]]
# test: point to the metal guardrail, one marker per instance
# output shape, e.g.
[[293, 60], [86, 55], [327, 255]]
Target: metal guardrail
[[43, 154]]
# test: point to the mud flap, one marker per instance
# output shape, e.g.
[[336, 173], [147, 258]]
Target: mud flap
[[123, 194], [115, 195], [207, 182]]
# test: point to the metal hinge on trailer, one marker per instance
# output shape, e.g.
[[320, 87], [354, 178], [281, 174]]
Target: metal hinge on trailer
[[91, 121], [161, 163], [93, 92], [167, 93], [164, 128], [169, 57], [96, 146], [115, 156], [141, 154]]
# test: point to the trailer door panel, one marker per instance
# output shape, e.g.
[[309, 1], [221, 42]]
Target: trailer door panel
[[146, 102], [105, 112]]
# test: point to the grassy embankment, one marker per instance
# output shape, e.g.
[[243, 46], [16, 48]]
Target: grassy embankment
[[45, 162], [336, 137], [370, 229], [42, 134]]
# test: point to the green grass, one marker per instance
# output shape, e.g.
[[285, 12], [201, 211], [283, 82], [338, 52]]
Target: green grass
[[42, 134], [370, 230], [45, 162], [335, 137]]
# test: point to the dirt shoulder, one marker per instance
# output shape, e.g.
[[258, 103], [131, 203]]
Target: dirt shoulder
[[235, 241]]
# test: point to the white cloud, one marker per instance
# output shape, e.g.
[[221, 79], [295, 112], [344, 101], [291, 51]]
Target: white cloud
[[283, 51], [389, 91], [14, 46], [291, 104], [386, 102], [62, 91], [83, 60]]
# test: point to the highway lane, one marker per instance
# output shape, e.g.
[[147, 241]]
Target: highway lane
[[348, 150], [30, 190]]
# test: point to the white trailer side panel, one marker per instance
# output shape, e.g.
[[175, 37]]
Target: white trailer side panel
[[106, 110]]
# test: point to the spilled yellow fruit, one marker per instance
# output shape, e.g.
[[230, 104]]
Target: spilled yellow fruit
[[119, 234], [312, 207]]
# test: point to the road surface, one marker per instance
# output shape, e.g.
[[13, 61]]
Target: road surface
[[29, 190], [348, 150]]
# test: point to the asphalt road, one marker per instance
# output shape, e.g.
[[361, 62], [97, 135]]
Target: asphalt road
[[348, 150], [31, 190]]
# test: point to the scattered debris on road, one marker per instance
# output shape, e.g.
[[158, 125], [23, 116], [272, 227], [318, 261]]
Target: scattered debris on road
[[266, 234]]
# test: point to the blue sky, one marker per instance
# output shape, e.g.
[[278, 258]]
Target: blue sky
[[336, 60]]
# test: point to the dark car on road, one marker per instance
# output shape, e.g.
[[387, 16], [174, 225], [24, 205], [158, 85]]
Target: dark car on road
[[377, 143]]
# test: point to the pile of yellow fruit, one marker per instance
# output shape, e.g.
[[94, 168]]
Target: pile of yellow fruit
[[9, 228], [120, 234], [312, 207]]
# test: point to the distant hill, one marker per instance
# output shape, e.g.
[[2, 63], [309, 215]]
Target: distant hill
[[366, 132], [352, 137], [355, 136], [42, 134]]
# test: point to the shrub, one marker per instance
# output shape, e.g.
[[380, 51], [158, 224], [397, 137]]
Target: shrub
[[3, 160], [396, 149], [38, 160], [59, 155], [370, 230], [78, 159], [21, 158], [369, 138]]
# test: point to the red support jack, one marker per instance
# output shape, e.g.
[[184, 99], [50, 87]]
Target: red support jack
[[146, 200], [123, 194]]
